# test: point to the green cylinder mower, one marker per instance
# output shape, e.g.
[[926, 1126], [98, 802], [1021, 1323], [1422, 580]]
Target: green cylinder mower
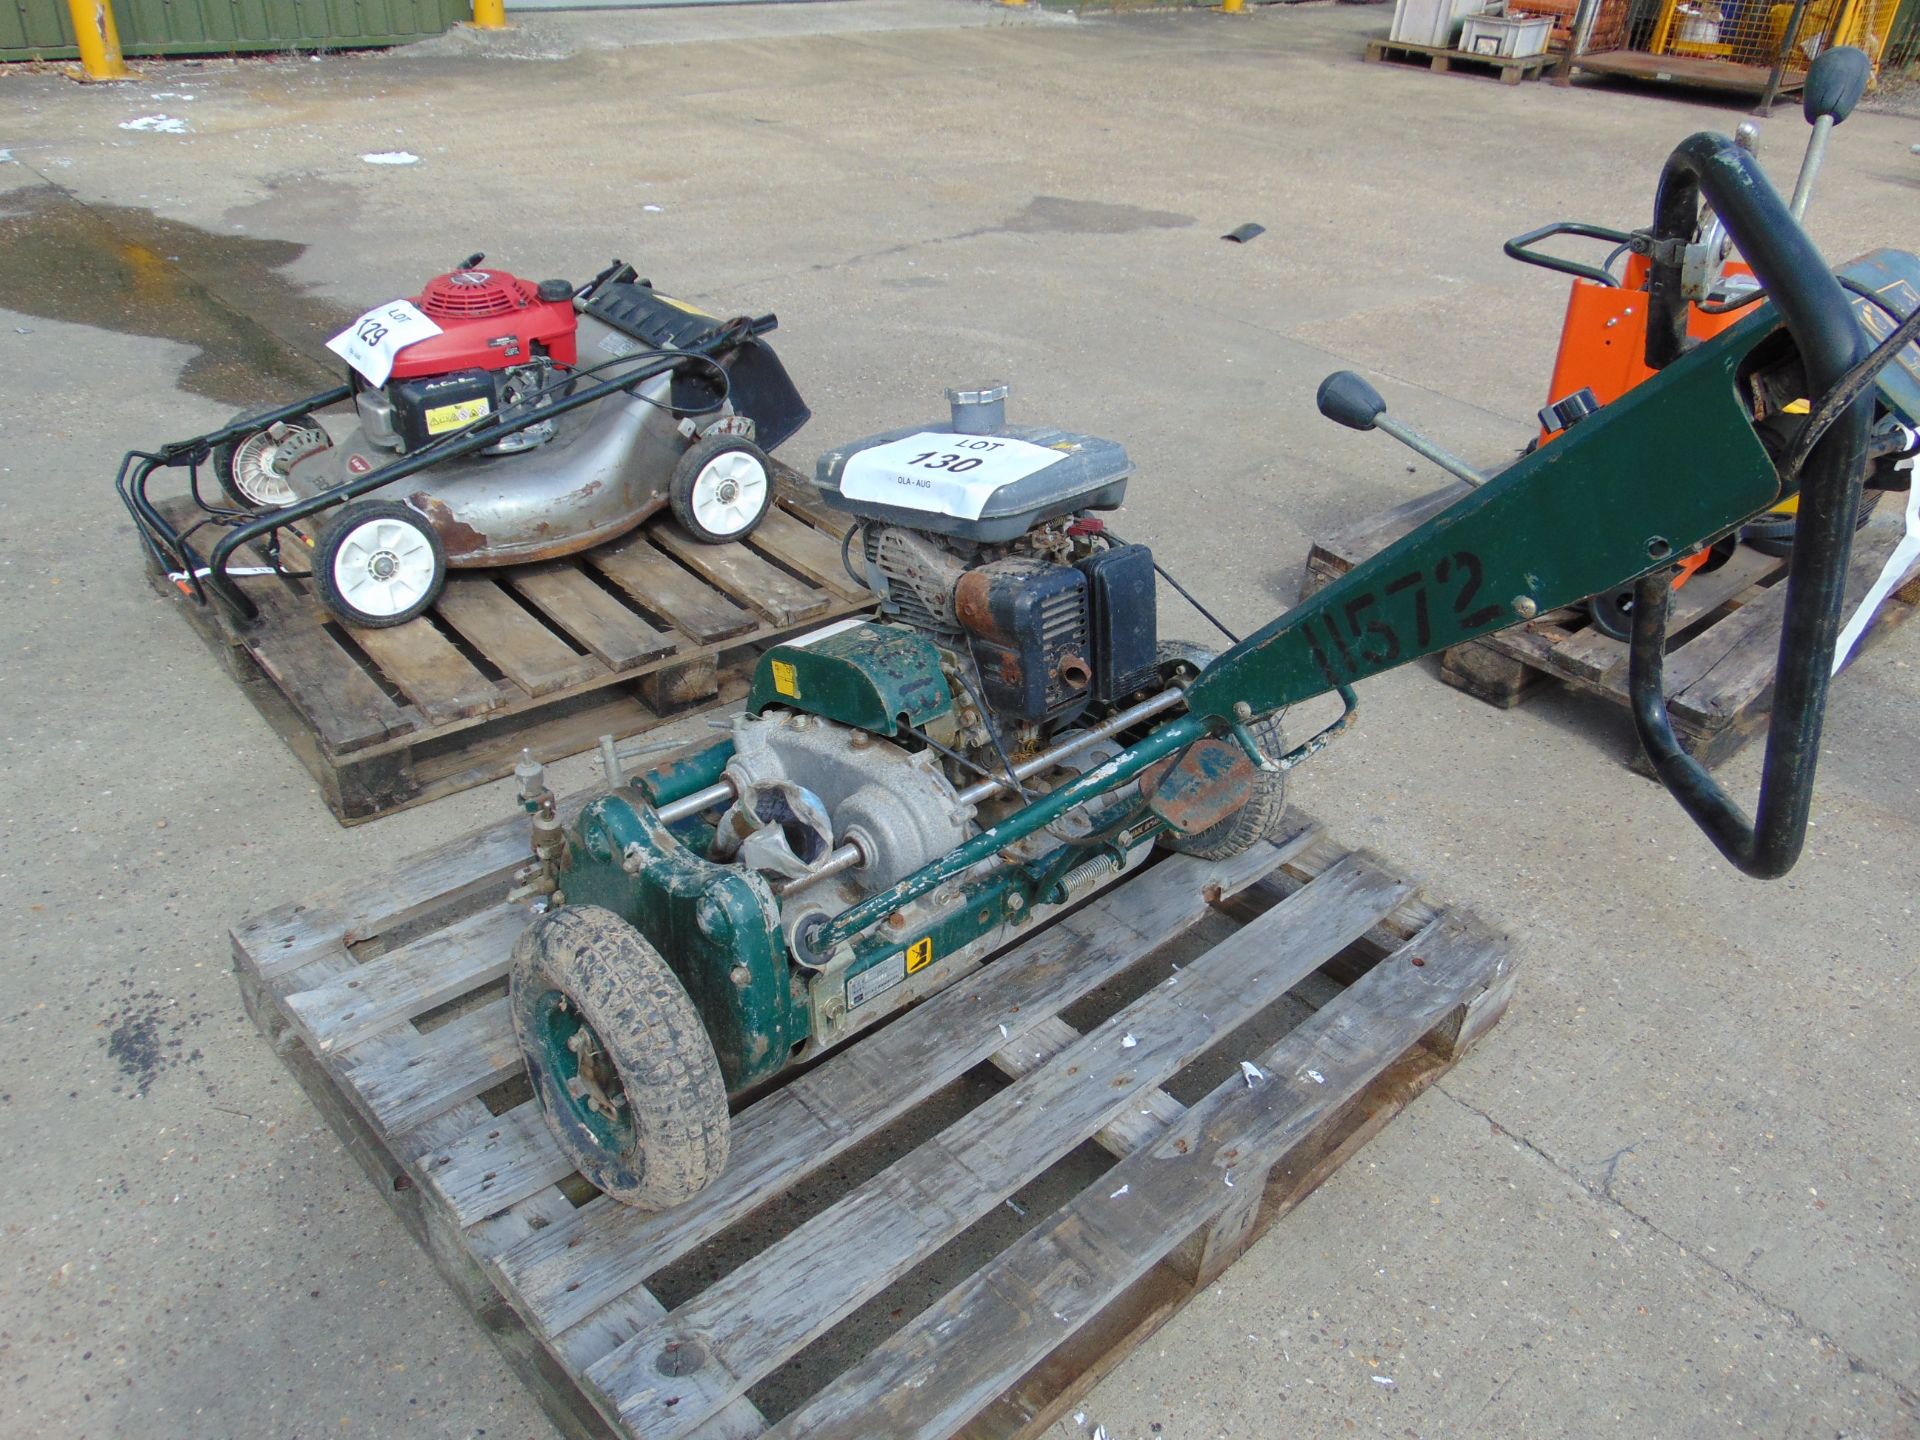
[[903, 796]]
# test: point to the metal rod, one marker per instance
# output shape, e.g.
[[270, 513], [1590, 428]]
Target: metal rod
[[1810, 166], [1445, 459], [1583, 20], [1158, 744], [1787, 42], [1046, 759], [687, 806], [848, 857]]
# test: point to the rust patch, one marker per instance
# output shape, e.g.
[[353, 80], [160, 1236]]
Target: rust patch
[[461, 540], [972, 602], [1203, 785]]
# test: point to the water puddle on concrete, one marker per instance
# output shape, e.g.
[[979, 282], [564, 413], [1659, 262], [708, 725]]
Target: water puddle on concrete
[[260, 337]]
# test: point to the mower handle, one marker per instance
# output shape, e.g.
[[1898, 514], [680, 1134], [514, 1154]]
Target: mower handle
[[1521, 248], [1817, 315]]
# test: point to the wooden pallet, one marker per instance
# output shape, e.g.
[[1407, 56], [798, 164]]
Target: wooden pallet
[[1694, 71], [1510, 70], [548, 657], [1349, 992], [1723, 635]]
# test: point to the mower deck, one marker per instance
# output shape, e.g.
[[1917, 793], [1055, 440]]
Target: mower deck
[[1723, 637], [548, 657], [847, 1183]]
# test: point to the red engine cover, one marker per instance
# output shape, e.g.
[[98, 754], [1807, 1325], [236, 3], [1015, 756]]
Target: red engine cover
[[490, 320]]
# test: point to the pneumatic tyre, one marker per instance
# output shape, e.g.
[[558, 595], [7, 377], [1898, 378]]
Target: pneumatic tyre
[[721, 489], [622, 1066], [378, 563], [1265, 811]]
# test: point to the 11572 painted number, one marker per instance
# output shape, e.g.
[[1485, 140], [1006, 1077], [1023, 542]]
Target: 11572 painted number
[[1360, 636]]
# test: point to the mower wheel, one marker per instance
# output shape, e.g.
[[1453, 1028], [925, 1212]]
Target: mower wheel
[[1266, 806], [721, 489], [1773, 534], [252, 470], [1612, 613], [626, 1075], [379, 563]]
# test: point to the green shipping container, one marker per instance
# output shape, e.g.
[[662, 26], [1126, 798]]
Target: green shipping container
[[43, 29]]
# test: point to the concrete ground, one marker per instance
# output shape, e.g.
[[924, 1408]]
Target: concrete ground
[[1673, 1195]]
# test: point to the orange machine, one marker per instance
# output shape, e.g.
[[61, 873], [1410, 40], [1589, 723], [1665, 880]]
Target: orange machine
[[1603, 339]]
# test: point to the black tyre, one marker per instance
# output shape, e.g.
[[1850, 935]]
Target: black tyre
[[378, 563], [1264, 813], [1775, 537], [1612, 613], [252, 470], [721, 489], [626, 1075]]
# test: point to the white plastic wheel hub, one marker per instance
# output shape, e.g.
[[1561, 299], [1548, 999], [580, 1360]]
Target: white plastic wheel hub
[[256, 471], [383, 566], [728, 491]]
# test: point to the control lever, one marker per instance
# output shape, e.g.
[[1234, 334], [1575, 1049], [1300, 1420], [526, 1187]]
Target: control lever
[[1835, 82], [1348, 400]]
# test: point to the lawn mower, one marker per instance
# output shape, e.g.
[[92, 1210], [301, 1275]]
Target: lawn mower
[[496, 421], [1602, 339], [903, 796]]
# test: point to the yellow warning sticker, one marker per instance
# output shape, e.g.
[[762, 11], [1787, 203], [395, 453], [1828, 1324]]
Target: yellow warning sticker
[[442, 418], [919, 954], [682, 305], [786, 679]]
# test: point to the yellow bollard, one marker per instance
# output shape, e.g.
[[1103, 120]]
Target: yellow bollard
[[489, 14], [99, 41], [1233, 7]]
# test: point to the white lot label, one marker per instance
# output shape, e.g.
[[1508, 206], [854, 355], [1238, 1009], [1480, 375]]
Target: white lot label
[[941, 473], [371, 342], [876, 980]]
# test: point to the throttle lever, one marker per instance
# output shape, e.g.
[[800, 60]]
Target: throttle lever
[[1347, 399]]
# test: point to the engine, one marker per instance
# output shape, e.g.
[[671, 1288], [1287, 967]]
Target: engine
[[979, 538], [1009, 617], [501, 341]]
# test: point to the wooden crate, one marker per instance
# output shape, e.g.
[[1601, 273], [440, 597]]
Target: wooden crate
[[1723, 635], [546, 657], [1510, 70], [387, 1002]]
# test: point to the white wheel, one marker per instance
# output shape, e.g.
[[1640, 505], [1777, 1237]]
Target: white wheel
[[253, 469], [260, 482], [721, 489], [379, 564]]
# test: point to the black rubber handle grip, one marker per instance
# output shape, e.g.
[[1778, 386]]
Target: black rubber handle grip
[[1346, 399], [1835, 82]]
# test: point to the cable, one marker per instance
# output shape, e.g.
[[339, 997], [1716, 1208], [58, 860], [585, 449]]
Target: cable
[[986, 717], [846, 546], [953, 755], [1838, 400], [1186, 595]]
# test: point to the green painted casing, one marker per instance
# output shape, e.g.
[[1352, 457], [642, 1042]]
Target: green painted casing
[[681, 776], [1893, 279], [706, 920], [1664, 469], [867, 676]]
